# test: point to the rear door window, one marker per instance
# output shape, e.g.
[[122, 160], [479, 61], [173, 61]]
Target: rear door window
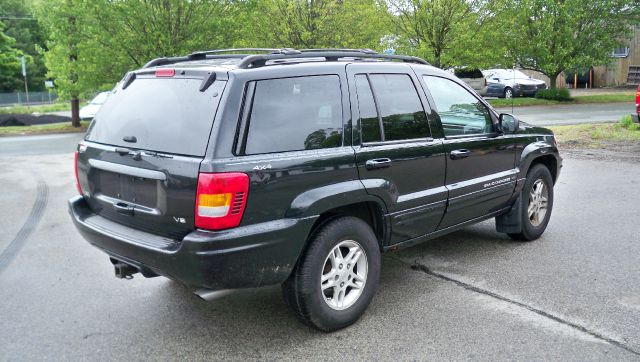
[[403, 117], [291, 114], [369, 121], [164, 115]]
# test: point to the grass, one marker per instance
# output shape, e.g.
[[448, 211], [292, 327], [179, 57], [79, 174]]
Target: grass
[[41, 108], [597, 135], [43, 129], [594, 98]]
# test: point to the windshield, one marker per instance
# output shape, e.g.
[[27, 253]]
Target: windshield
[[166, 115]]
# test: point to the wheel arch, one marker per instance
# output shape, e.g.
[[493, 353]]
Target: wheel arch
[[370, 212], [540, 153], [550, 162]]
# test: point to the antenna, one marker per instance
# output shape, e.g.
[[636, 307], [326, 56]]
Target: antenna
[[514, 86]]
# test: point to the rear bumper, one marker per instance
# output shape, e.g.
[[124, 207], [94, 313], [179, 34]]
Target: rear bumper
[[242, 257]]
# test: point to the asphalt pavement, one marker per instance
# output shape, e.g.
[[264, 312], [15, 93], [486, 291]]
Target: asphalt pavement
[[574, 294], [571, 113], [39, 145]]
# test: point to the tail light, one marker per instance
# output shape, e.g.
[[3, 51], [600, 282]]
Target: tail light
[[638, 100], [220, 200], [75, 170]]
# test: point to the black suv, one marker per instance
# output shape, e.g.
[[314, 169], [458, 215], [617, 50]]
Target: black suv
[[226, 170]]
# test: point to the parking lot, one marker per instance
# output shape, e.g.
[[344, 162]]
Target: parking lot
[[475, 294]]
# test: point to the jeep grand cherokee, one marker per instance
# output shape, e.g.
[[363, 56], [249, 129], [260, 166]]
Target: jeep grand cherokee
[[227, 170]]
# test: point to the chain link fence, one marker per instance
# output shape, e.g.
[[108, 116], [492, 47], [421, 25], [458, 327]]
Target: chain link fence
[[20, 98]]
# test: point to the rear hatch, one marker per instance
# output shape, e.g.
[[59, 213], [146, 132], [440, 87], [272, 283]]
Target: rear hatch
[[139, 163]]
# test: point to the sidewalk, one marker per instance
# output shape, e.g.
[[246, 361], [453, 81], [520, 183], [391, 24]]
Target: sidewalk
[[600, 91]]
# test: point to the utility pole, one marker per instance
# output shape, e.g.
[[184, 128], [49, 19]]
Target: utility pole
[[24, 75]]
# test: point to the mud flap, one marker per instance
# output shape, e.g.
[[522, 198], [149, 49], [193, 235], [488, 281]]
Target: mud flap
[[511, 221]]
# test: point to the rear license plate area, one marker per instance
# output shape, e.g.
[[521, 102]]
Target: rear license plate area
[[131, 189]]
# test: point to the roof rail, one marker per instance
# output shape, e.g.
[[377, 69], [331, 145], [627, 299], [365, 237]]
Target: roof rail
[[367, 51], [259, 60], [236, 50], [218, 54]]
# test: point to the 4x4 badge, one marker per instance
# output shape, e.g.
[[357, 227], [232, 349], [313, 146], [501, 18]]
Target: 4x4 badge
[[262, 167]]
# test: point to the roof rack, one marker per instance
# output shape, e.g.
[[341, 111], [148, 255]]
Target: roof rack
[[367, 51], [236, 50], [218, 54], [259, 60]]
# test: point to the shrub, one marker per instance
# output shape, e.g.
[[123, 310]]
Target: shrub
[[558, 94], [627, 122]]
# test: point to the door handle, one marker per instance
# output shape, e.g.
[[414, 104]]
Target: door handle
[[377, 163], [458, 154], [123, 208]]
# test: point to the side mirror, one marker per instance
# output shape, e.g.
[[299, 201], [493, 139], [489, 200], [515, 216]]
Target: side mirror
[[508, 123]]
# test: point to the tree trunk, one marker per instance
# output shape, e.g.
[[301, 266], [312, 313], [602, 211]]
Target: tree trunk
[[553, 80], [75, 112]]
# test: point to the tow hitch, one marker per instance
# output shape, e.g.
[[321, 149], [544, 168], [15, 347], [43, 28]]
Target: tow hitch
[[123, 270]]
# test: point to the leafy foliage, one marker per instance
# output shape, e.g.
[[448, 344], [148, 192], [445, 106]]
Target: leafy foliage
[[446, 32], [627, 122], [551, 36], [93, 43], [161, 28], [23, 27], [69, 57], [9, 62], [319, 24]]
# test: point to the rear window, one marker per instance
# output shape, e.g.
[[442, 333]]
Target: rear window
[[291, 114], [165, 115], [468, 73]]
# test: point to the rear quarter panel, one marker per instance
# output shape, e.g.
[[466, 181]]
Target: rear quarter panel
[[285, 184]]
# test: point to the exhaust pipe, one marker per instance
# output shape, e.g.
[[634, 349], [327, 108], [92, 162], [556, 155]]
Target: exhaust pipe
[[208, 295]]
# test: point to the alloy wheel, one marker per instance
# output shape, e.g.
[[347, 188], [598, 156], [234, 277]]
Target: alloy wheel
[[538, 202], [344, 275], [508, 93]]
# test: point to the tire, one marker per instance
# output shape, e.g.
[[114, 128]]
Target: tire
[[508, 93], [329, 305], [534, 224]]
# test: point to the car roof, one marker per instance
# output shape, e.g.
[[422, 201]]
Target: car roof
[[247, 59]]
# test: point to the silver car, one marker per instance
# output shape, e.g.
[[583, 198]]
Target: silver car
[[474, 78]]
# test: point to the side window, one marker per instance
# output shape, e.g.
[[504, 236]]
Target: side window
[[293, 114], [369, 122], [400, 108], [460, 112]]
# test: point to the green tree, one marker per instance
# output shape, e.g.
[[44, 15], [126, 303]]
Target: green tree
[[551, 36], [319, 24], [28, 34], [446, 32], [135, 31], [93, 43], [9, 55], [70, 57]]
